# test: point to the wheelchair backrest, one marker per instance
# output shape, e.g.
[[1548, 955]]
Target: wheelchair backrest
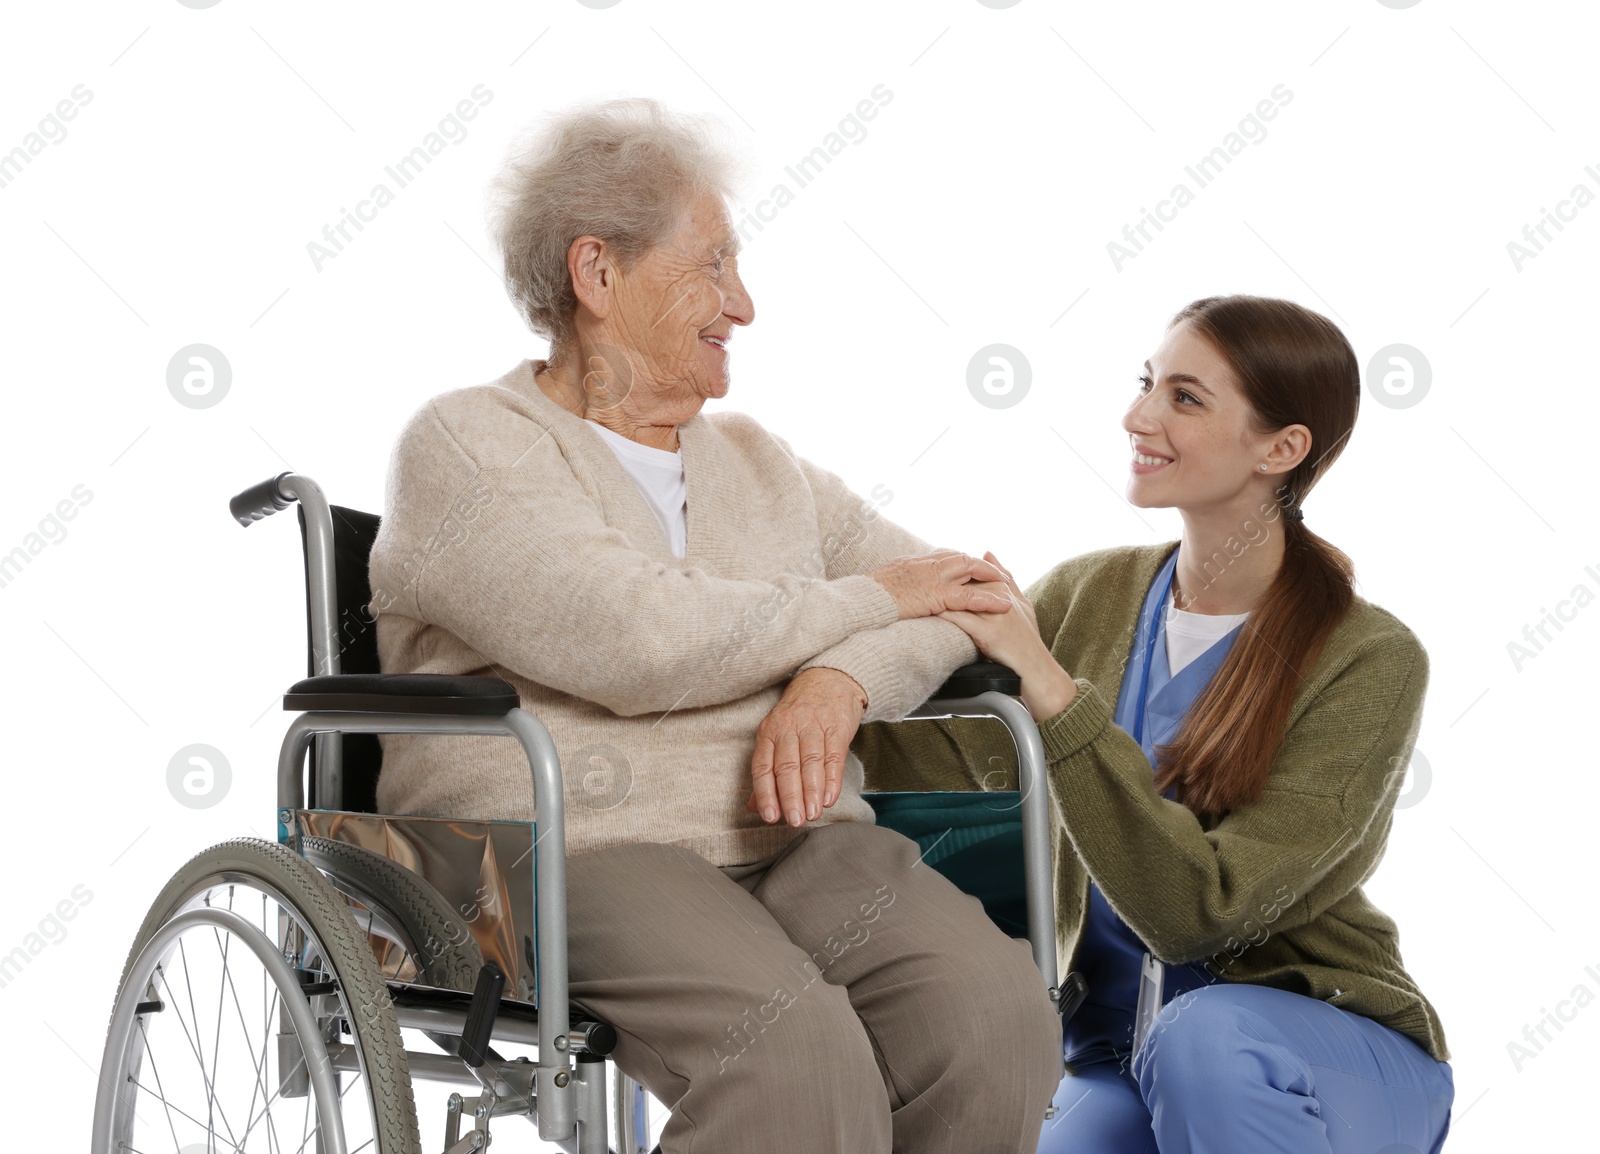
[[353, 535]]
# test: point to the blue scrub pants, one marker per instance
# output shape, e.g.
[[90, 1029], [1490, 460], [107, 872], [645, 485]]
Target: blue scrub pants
[[1246, 1069]]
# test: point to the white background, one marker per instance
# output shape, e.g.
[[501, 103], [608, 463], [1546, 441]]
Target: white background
[[977, 209]]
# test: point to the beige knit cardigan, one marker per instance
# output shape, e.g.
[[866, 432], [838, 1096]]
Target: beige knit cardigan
[[514, 545]]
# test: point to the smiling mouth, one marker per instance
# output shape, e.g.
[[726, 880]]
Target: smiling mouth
[[1142, 459], [719, 342]]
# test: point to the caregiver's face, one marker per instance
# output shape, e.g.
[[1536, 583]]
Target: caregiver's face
[[1190, 429], [678, 305]]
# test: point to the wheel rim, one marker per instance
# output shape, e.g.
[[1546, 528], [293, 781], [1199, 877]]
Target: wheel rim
[[205, 1073]]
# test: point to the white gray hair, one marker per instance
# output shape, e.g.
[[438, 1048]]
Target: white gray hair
[[621, 170]]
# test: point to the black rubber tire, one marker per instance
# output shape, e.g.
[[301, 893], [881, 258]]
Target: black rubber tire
[[326, 917], [410, 905]]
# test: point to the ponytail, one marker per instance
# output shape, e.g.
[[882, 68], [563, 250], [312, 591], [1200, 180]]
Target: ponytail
[[1222, 755]]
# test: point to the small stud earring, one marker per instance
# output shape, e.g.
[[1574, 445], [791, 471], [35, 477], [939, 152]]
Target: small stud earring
[[1263, 467]]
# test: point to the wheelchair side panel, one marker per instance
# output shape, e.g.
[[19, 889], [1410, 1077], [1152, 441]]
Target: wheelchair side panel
[[483, 871]]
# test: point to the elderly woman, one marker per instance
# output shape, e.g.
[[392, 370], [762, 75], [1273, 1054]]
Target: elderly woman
[[701, 619]]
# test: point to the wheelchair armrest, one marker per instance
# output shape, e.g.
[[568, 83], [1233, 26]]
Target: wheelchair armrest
[[435, 693], [980, 677], [987, 689]]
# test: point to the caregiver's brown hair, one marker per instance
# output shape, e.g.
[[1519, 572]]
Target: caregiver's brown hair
[[1293, 366]]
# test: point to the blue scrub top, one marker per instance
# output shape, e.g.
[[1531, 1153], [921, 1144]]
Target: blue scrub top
[[1150, 708]]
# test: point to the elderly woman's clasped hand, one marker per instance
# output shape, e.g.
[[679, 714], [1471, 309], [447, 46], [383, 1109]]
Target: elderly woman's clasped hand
[[1013, 640], [941, 582], [797, 770]]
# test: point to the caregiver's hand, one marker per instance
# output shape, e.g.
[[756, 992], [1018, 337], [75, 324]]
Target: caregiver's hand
[[936, 582], [801, 746], [1013, 640]]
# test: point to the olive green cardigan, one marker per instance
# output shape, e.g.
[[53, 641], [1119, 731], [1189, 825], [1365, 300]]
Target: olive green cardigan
[[1271, 893]]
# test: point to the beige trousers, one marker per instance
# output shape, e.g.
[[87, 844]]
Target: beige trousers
[[839, 997]]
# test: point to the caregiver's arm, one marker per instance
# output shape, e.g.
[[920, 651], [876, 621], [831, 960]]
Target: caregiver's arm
[[1282, 859], [1279, 861]]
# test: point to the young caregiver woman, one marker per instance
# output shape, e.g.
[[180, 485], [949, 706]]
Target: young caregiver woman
[[1216, 824]]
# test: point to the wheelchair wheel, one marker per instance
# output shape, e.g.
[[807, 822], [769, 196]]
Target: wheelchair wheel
[[415, 934], [233, 1013]]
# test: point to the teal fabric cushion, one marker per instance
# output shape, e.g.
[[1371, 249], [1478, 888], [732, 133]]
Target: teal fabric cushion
[[974, 839]]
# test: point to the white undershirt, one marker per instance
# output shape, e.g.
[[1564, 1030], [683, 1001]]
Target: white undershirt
[[659, 476], [1191, 634]]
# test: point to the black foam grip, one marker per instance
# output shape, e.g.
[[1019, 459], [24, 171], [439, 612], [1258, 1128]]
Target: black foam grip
[[259, 501]]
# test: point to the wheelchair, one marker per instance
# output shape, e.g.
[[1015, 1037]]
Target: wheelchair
[[268, 998]]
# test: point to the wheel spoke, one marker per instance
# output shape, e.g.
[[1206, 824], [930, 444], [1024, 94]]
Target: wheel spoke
[[260, 1085], [199, 1055], [266, 1107], [177, 1013], [266, 1110], [314, 1132], [273, 1144], [160, 1092], [194, 1043], [181, 1112], [244, 1030], [216, 1040]]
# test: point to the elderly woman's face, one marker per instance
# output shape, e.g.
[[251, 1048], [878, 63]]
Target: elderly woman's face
[[677, 306]]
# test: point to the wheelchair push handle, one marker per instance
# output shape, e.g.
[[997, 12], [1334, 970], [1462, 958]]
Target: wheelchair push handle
[[260, 500]]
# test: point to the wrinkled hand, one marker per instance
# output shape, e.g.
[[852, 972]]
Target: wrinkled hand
[[1013, 640], [801, 746], [1008, 638], [938, 582]]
